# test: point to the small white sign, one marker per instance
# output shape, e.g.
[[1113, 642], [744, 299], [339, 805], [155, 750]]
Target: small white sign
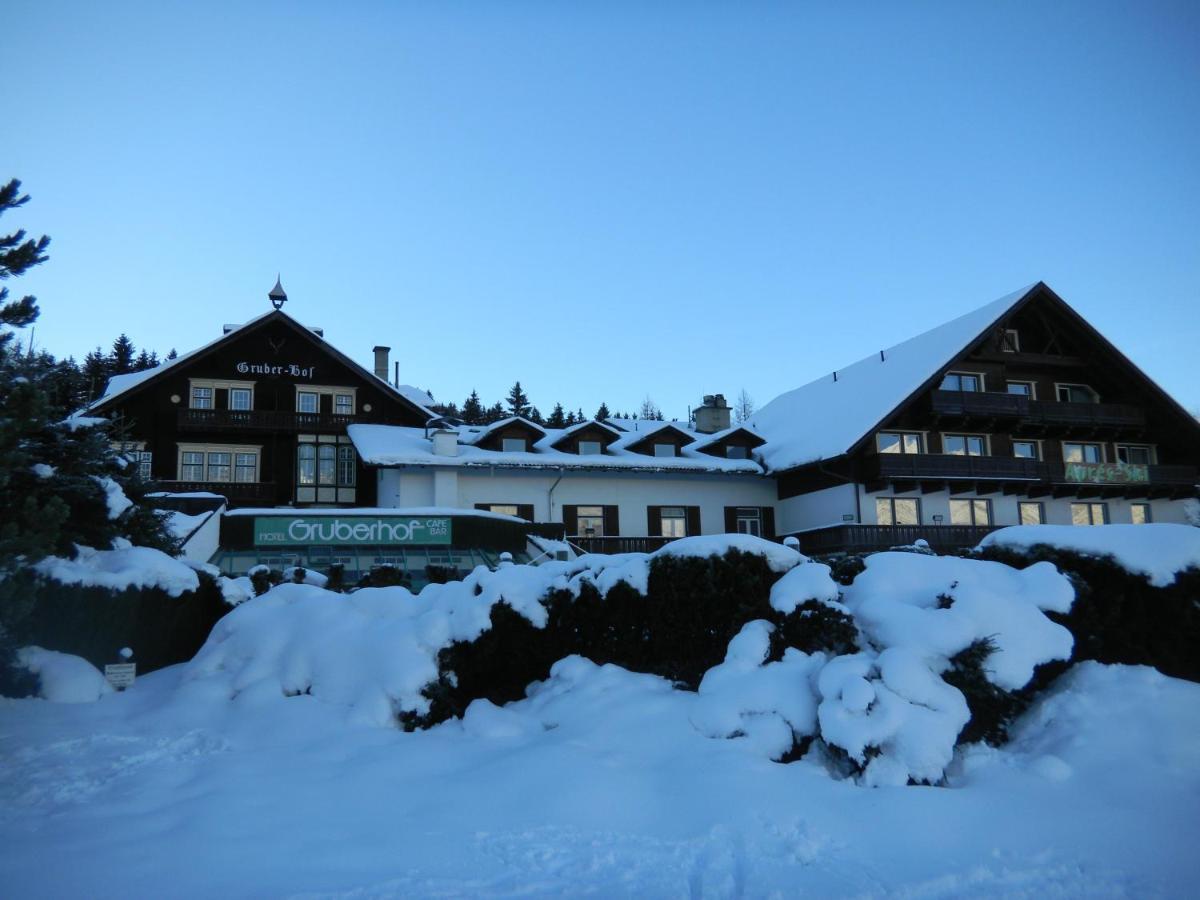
[[121, 675]]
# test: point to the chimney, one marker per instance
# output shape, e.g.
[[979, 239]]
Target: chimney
[[381, 362], [445, 442], [713, 414]]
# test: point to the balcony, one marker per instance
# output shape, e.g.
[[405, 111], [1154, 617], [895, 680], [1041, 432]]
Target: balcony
[[261, 420], [993, 406], [989, 474], [238, 493], [872, 538]]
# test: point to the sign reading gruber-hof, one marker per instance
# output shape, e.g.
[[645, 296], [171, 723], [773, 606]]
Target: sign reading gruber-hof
[[1107, 473], [282, 531]]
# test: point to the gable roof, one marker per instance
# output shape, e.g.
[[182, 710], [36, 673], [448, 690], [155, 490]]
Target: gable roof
[[828, 417], [710, 441], [631, 440], [473, 436], [610, 434], [123, 385]]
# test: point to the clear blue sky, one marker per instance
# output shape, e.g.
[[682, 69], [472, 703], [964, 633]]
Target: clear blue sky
[[603, 200]]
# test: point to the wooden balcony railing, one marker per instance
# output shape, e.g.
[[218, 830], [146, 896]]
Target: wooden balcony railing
[[618, 544], [935, 466], [986, 404], [241, 493], [261, 420], [867, 538]]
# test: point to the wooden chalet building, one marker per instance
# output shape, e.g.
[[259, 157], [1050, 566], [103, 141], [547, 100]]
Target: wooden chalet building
[[1017, 413], [258, 415]]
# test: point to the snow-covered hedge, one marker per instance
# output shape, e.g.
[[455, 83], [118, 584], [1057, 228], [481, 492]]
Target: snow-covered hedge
[[881, 678]]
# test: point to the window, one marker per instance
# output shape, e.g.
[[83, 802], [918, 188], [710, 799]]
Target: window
[[191, 466], [1021, 388], [512, 445], [306, 402], [590, 448], [900, 442], [674, 521], [1089, 513], [202, 397], [1031, 512], [897, 511], [306, 464], [346, 465], [664, 450], [591, 521], [970, 512], [1083, 453], [1026, 450], [245, 467], [507, 509], [963, 444], [143, 459], [749, 520], [737, 452], [961, 381], [1135, 454], [240, 398], [1011, 342], [1075, 393], [1139, 513], [343, 404], [223, 464], [326, 464]]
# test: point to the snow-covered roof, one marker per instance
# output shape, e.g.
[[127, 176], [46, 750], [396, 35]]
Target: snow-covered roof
[[707, 440], [396, 445], [413, 394], [473, 435], [827, 417], [122, 384]]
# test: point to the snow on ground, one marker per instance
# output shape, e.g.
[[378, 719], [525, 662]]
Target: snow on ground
[[599, 784], [1158, 551]]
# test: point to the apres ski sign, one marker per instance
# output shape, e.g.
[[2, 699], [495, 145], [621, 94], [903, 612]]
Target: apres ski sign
[[282, 531]]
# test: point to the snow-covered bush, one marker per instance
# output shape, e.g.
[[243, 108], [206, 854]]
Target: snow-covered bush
[[63, 678], [1135, 605]]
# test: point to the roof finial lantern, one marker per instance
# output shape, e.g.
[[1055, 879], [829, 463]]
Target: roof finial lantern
[[278, 295]]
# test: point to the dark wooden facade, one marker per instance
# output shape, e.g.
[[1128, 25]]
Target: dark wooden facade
[[279, 359], [1041, 342]]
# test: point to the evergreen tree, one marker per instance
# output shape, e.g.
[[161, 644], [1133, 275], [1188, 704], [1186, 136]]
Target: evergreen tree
[[557, 419], [172, 354], [95, 373], [55, 476], [472, 410], [535, 416], [579, 416], [570, 420], [121, 360], [602, 413], [494, 413], [518, 401]]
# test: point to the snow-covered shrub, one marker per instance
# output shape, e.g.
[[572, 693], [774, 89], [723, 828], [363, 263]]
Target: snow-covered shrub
[[1120, 614], [771, 704], [61, 677]]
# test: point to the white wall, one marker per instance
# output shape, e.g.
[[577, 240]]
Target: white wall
[[631, 493], [815, 510]]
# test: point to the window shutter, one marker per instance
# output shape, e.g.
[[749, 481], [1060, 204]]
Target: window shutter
[[693, 520], [525, 511], [571, 519], [731, 520], [486, 507], [768, 522], [611, 522], [653, 521]]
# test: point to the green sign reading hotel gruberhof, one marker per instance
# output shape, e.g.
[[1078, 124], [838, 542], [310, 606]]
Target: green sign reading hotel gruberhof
[[1106, 473], [282, 531]]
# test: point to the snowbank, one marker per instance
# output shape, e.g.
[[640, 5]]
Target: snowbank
[[779, 557], [1160, 552], [121, 569], [810, 581], [63, 678]]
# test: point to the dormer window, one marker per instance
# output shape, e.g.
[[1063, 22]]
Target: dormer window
[[1011, 342], [513, 445], [665, 450], [590, 448], [734, 451]]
